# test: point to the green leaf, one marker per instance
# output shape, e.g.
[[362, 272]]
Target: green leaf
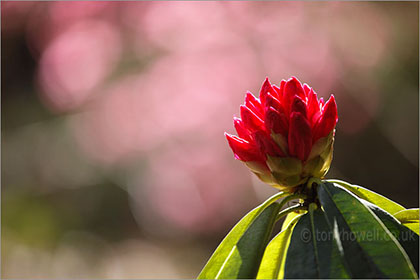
[[239, 254], [388, 205], [274, 255], [290, 217], [245, 257], [408, 215], [312, 252], [408, 239], [413, 226], [409, 218], [369, 249]]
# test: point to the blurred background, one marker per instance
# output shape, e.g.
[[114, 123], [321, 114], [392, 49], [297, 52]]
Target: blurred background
[[114, 163]]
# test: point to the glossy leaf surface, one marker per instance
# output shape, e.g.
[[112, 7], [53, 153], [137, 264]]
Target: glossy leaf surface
[[385, 203], [408, 215], [369, 249], [407, 238], [274, 257], [313, 252], [240, 253]]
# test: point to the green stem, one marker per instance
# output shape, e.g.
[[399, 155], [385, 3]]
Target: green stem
[[291, 197], [287, 197], [312, 181], [289, 210], [273, 198]]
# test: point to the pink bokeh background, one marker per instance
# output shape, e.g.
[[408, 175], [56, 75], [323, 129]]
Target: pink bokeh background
[[148, 88]]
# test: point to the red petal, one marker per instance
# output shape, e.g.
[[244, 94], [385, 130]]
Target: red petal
[[271, 101], [251, 121], [300, 136], [313, 108], [253, 104], [276, 92], [266, 88], [276, 121], [281, 91], [299, 105], [307, 89], [328, 119], [243, 150], [292, 88], [266, 145], [240, 129], [314, 120]]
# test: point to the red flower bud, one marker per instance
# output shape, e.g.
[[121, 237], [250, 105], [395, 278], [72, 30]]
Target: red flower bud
[[271, 101], [244, 150], [299, 106], [276, 121], [266, 88], [327, 120], [266, 145], [254, 104], [300, 136], [241, 129], [286, 135], [251, 121]]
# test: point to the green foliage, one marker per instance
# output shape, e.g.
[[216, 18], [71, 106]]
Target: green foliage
[[409, 218], [345, 231], [272, 263], [407, 215], [227, 261], [388, 205], [313, 252], [406, 237], [367, 245]]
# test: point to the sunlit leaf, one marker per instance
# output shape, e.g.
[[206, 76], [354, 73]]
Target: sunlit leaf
[[408, 215], [312, 252], [370, 250], [413, 226], [275, 253], [409, 218], [385, 203], [408, 239], [239, 254], [290, 217]]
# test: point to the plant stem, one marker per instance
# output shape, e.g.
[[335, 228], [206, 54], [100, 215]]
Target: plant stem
[[291, 197], [275, 197], [289, 210]]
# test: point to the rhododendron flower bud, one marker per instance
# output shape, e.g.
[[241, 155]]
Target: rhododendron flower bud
[[286, 136]]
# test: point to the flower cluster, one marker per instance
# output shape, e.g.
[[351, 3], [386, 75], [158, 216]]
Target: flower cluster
[[286, 136]]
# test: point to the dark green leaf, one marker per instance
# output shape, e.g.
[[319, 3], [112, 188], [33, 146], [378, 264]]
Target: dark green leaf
[[275, 253], [385, 203], [369, 249], [312, 252], [290, 217], [240, 253], [408, 239]]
